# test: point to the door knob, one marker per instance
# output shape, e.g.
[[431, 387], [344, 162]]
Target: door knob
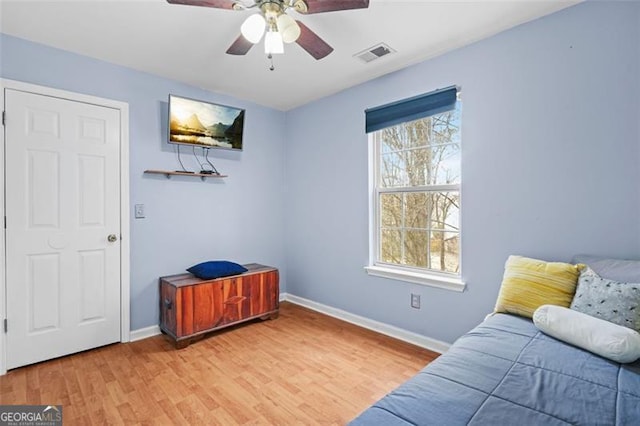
[[112, 238]]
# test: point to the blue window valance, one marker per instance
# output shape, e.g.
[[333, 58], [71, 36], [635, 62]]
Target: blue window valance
[[420, 106]]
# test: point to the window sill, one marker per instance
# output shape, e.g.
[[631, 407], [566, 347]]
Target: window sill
[[431, 280]]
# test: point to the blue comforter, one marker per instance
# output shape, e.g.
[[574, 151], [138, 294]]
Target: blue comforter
[[507, 372]]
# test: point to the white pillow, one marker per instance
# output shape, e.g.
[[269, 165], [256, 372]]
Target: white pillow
[[609, 340]]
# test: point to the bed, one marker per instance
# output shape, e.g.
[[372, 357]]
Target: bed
[[506, 371]]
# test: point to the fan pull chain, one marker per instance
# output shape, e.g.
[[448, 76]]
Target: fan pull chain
[[270, 57]]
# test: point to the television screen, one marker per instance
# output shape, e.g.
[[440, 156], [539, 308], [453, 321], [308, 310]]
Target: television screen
[[204, 124]]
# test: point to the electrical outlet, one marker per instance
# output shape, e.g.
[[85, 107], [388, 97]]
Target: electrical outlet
[[415, 301], [139, 211]]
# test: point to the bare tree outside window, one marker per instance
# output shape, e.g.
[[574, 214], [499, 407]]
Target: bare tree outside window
[[418, 187]]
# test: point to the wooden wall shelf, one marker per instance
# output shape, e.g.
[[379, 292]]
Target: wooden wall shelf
[[169, 173]]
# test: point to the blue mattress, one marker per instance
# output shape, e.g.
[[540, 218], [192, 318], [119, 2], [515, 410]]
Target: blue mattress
[[507, 372]]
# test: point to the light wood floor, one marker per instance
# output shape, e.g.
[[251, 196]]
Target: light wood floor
[[302, 368]]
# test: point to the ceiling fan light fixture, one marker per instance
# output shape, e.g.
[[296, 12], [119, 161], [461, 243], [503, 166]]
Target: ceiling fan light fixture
[[281, 29], [253, 28], [273, 43], [288, 28]]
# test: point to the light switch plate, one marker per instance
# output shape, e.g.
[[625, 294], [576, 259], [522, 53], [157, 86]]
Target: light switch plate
[[139, 211]]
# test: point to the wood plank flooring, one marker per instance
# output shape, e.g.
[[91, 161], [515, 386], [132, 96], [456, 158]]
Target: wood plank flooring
[[302, 368]]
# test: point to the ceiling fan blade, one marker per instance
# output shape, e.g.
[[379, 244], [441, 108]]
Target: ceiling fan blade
[[218, 4], [319, 6], [240, 47], [312, 43]]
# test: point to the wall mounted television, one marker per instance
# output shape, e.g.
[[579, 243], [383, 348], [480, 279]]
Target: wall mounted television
[[204, 124]]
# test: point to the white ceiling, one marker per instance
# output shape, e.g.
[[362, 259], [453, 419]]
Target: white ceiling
[[187, 43]]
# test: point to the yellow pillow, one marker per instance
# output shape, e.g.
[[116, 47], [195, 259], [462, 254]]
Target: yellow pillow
[[530, 283]]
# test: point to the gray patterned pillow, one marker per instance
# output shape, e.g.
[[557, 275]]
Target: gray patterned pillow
[[609, 300]]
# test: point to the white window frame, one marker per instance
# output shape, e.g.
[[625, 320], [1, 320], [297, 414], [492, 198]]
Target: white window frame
[[378, 268]]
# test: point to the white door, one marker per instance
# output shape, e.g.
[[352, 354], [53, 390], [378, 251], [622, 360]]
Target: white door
[[62, 204]]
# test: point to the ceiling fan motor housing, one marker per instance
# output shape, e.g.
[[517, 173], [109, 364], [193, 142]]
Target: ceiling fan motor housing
[[271, 9], [277, 6]]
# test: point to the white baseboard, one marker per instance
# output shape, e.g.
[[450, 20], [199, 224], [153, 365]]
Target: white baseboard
[[143, 333], [379, 327]]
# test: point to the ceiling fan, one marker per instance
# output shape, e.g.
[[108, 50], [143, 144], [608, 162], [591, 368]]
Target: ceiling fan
[[276, 25]]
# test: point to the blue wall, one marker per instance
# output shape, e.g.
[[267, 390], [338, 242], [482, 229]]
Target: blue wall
[[238, 218], [551, 149]]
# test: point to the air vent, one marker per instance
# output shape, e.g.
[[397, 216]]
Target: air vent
[[373, 53]]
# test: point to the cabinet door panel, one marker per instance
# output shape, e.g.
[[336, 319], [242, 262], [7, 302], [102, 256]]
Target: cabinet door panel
[[234, 300], [207, 306], [184, 308], [271, 291]]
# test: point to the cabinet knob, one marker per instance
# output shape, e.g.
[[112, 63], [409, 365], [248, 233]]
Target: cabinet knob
[[168, 304]]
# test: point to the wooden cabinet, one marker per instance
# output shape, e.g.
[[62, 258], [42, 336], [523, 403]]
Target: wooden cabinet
[[190, 306]]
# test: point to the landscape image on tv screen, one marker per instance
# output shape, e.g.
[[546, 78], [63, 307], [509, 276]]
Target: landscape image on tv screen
[[205, 124]]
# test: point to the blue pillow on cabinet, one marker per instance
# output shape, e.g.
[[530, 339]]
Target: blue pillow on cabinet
[[216, 269]]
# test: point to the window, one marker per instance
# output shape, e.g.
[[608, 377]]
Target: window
[[416, 189]]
